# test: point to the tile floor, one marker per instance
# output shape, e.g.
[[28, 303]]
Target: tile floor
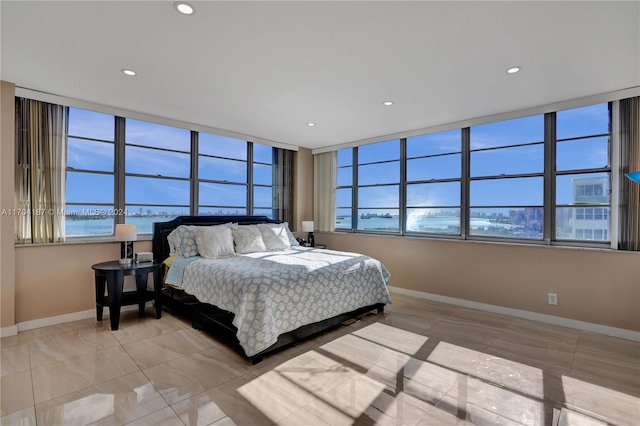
[[420, 363]]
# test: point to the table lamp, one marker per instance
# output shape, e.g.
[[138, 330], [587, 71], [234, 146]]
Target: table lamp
[[127, 234], [307, 226]]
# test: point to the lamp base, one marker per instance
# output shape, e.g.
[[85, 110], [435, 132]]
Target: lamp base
[[311, 240]]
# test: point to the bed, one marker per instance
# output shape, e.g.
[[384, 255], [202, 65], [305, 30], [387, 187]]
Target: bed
[[261, 301]]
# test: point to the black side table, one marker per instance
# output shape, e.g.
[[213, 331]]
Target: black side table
[[112, 274]]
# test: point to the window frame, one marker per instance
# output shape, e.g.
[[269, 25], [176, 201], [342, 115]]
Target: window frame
[[119, 175], [548, 174]]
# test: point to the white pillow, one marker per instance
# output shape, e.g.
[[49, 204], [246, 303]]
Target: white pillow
[[275, 237], [214, 241], [248, 239]]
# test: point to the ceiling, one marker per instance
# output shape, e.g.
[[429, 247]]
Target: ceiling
[[266, 69]]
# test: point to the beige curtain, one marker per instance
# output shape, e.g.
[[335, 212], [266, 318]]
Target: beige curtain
[[40, 171], [629, 162], [324, 191]]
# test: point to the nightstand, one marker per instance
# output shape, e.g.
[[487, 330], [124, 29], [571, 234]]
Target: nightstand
[[110, 275]]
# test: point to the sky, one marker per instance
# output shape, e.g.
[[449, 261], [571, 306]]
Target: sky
[[444, 162], [430, 157]]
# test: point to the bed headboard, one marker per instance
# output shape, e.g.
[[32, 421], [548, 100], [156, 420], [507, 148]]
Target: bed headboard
[[161, 230]]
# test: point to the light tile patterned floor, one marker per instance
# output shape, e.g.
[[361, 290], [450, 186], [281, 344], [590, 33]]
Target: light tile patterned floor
[[420, 363]]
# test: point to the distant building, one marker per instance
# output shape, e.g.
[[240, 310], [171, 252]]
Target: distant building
[[590, 223]]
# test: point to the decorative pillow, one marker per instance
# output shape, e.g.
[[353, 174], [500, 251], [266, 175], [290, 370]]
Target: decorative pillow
[[214, 241], [248, 239], [182, 241], [275, 237], [292, 239]]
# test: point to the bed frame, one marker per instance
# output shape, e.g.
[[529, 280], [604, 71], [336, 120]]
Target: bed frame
[[214, 320]]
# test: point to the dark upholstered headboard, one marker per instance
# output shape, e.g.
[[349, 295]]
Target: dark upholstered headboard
[[161, 230]]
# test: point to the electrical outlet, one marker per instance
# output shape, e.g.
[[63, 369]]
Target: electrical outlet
[[553, 298]]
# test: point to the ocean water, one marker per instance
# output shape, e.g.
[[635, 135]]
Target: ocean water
[[93, 227]]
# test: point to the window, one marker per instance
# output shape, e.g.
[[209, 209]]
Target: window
[[222, 174], [157, 172], [583, 173], [378, 187], [148, 174], [537, 178], [434, 170], [90, 202], [506, 188], [344, 190], [265, 190]]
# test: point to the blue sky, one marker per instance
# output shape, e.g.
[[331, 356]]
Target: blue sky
[[97, 155], [584, 153], [575, 154]]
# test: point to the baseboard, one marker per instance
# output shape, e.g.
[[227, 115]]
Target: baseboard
[[534, 316], [61, 319], [8, 331]]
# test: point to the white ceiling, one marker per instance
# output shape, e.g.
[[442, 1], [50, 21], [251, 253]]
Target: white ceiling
[[266, 69]]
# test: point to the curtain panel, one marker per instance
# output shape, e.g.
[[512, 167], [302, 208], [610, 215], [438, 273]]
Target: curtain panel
[[40, 172], [283, 184], [324, 191], [629, 162]]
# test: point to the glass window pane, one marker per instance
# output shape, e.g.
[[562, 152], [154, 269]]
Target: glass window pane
[[507, 192], [343, 218], [155, 162], [141, 190], [89, 188], [512, 223], [145, 216], [589, 153], [441, 167], [378, 220], [222, 146], [345, 176], [216, 211], [262, 153], [343, 197], [90, 124], [345, 157], [157, 135], [220, 194], [378, 196], [435, 221], [587, 188], [433, 194], [222, 170], [380, 151], [379, 173], [515, 160], [262, 174], [263, 196], [583, 223], [434, 143], [270, 213], [88, 220], [89, 155], [510, 132], [585, 121]]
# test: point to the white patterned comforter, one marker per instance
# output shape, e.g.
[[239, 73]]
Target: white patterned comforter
[[272, 293]]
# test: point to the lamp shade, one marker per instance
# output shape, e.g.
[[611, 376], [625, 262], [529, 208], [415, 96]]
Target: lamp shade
[[126, 232], [307, 226], [634, 176]]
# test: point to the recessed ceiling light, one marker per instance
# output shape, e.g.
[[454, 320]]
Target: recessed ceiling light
[[184, 8], [311, 124], [513, 70], [128, 72], [387, 103]]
